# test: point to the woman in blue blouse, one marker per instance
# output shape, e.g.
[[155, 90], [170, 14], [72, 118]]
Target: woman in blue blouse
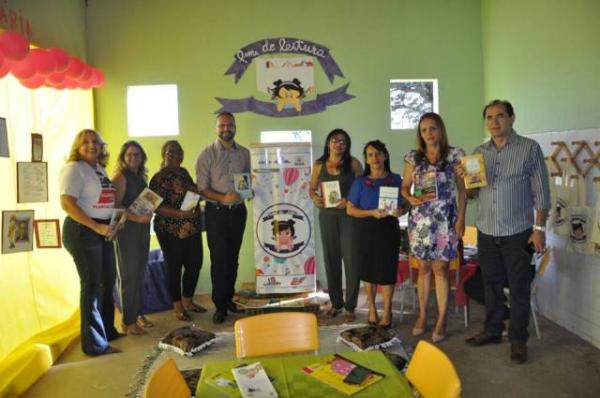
[[376, 232]]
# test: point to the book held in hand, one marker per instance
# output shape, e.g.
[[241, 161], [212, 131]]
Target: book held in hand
[[425, 186], [253, 382], [117, 220], [190, 201], [146, 202], [242, 185], [474, 171], [388, 199], [331, 192], [344, 375]]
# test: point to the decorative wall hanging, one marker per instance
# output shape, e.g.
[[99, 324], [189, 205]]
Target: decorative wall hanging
[[3, 139], [47, 234], [17, 231], [410, 99], [37, 147], [288, 82], [582, 166], [32, 182], [51, 67]]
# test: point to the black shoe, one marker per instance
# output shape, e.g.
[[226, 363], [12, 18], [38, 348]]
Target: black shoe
[[483, 338], [219, 317], [518, 352], [113, 335], [234, 308]]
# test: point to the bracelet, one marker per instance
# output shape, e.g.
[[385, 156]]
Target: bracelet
[[540, 228]]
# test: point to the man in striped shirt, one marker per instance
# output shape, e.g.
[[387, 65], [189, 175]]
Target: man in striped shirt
[[511, 225]]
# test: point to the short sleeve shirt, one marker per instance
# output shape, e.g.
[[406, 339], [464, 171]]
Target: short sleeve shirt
[[94, 192], [364, 192]]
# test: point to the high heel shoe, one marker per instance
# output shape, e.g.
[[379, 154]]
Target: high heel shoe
[[436, 338]]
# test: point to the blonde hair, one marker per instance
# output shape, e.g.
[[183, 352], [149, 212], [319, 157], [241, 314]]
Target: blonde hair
[[74, 155]]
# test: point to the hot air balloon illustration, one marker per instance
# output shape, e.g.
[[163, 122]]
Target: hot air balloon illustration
[[309, 265], [290, 175]]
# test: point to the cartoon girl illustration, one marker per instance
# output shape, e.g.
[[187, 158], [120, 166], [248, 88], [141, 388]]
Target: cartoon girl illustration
[[12, 232], [284, 234], [288, 94]]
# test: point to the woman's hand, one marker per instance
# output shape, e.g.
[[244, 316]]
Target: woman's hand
[[318, 200], [378, 213], [413, 200], [459, 227], [102, 229], [460, 171], [187, 213], [342, 204], [396, 213]]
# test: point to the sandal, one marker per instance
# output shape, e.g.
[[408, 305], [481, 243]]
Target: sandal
[[183, 316], [195, 308], [143, 322], [134, 330]]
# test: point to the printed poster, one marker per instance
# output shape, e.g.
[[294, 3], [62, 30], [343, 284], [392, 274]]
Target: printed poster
[[283, 218]]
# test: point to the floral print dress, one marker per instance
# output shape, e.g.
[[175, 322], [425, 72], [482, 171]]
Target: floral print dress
[[431, 231]]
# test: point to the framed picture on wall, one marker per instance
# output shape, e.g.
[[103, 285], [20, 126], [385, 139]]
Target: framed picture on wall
[[410, 99], [47, 234], [3, 139], [32, 182], [17, 231], [37, 147]]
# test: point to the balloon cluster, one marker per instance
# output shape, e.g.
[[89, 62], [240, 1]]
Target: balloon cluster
[[49, 67]]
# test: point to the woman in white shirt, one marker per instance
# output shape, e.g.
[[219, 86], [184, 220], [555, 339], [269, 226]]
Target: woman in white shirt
[[88, 198]]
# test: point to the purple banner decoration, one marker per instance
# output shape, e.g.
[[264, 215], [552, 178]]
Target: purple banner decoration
[[251, 104], [285, 45]]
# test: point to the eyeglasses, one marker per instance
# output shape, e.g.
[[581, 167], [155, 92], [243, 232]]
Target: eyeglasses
[[175, 152], [340, 141]]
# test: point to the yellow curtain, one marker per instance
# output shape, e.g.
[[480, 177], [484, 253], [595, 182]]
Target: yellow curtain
[[39, 289]]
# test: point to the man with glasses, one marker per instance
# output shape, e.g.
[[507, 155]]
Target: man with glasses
[[225, 210]]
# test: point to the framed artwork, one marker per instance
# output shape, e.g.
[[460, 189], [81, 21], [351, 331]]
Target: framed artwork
[[410, 99], [17, 231], [37, 147], [3, 139], [47, 234], [32, 182]]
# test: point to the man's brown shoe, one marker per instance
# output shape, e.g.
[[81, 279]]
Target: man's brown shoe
[[483, 338], [518, 352]]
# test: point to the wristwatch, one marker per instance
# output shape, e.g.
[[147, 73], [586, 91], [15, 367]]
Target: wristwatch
[[540, 228]]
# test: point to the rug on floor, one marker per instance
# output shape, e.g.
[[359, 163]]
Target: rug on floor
[[224, 349]]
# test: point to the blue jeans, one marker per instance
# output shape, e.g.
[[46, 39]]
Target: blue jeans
[[503, 259], [95, 261]]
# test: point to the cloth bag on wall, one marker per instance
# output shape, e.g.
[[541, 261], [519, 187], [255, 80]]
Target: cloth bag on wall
[[565, 197], [595, 227], [580, 220]]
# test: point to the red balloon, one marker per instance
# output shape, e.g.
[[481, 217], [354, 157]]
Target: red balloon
[[72, 83], [24, 69], [290, 175], [34, 82], [14, 46], [97, 78], [5, 65], [61, 57], [75, 69], [44, 62], [56, 79]]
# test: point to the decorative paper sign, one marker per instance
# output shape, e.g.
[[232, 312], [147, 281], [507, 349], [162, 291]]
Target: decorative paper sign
[[37, 147], [17, 231], [32, 182], [287, 91], [284, 244], [410, 99], [47, 233], [3, 139]]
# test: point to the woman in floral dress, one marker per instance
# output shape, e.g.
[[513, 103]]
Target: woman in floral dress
[[436, 221]]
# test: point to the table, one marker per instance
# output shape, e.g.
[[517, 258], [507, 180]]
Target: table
[[291, 381]]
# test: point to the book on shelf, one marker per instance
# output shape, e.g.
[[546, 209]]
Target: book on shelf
[[253, 382], [332, 194], [146, 202], [190, 201], [225, 383], [425, 186], [343, 374], [474, 171], [242, 184], [388, 199], [117, 220]]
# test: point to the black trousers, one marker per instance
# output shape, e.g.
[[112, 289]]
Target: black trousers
[[186, 253], [504, 259], [225, 230]]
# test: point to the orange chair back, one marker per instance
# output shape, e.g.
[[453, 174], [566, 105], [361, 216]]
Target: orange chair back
[[276, 333], [432, 373], [167, 381]]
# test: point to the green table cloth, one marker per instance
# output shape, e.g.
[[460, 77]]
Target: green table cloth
[[290, 381]]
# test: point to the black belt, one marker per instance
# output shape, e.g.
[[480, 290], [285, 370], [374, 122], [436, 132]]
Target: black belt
[[220, 206], [101, 221]]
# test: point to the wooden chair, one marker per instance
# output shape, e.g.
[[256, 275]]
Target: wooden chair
[[432, 373], [276, 333], [167, 381]]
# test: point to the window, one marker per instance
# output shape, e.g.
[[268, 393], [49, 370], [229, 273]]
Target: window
[[152, 110], [286, 136]]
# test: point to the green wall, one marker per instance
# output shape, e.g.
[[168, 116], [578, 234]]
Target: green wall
[[192, 43], [544, 56]]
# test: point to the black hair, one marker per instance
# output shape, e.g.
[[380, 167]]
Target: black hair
[[282, 225], [346, 156], [380, 146], [289, 85], [507, 106]]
